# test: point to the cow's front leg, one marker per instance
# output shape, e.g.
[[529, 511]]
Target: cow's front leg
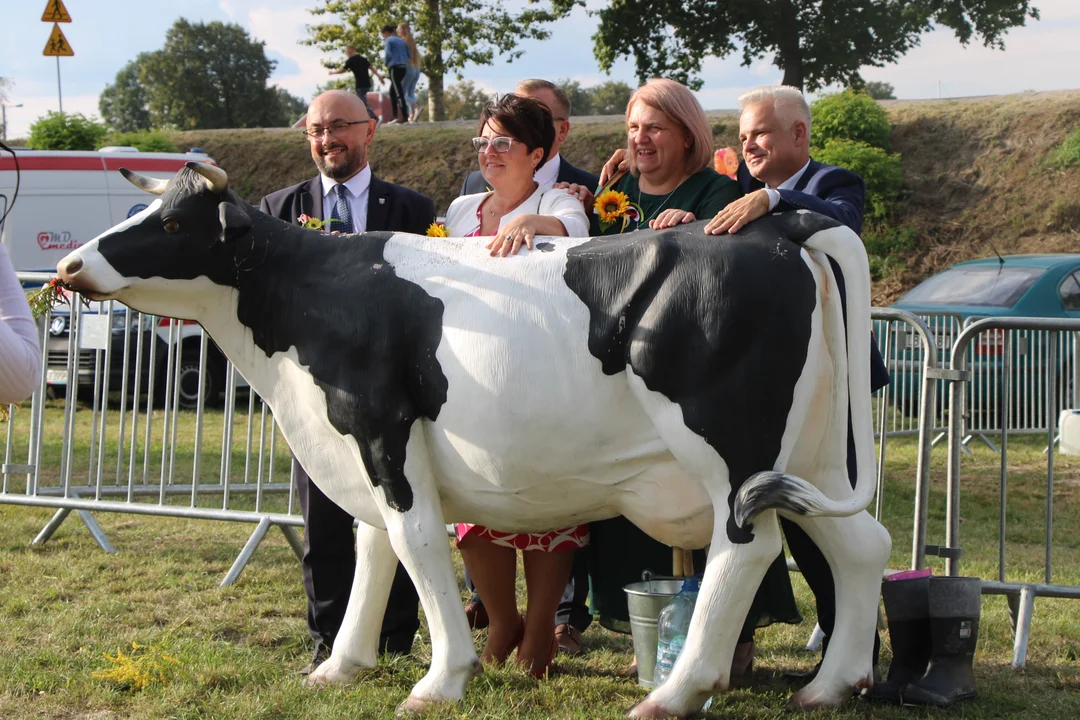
[[357, 643], [418, 535]]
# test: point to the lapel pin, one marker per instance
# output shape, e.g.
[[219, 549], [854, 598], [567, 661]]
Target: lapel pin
[[382, 201]]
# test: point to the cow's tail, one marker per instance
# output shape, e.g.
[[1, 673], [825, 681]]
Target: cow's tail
[[783, 491]]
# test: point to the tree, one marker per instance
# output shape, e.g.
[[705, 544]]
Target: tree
[[124, 105], [880, 90], [290, 107], [610, 98], [463, 101], [66, 131], [580, 98], [451, 33], [210, 75], [815, 43]]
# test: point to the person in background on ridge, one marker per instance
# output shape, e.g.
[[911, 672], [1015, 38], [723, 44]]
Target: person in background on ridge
[[572, 617], [340, 129], [397, 63], [362, 71], [20, 350], [412, 72]]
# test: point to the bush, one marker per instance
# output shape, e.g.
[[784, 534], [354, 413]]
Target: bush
[[147, 141], [849, 115], [65, 131], [1067, 154], [1063, 215], [879, 170]]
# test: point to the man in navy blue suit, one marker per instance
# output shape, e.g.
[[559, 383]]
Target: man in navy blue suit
[[777, 173]]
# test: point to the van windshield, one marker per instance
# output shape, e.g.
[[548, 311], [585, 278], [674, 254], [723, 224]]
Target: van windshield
[[985, 285]]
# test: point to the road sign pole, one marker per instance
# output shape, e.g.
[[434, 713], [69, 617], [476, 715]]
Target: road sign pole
[[59, 92]]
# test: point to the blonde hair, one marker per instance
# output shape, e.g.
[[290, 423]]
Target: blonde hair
[[789, 103], [677, 102], [405, 33]]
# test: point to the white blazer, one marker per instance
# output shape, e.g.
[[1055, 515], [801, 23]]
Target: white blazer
[[461, 216]]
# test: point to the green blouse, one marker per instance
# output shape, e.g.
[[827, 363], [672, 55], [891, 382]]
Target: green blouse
[[704, 193]]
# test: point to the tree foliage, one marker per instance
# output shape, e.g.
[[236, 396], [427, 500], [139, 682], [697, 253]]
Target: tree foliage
[[66, 131], [146, 141], [815, 44], [463, 101], [881, 171], [450, 33], [849, 115], [880, 90], [207, 75]]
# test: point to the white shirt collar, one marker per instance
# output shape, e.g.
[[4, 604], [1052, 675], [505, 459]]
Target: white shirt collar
[[547, 173], [792, 181], [357, 185]]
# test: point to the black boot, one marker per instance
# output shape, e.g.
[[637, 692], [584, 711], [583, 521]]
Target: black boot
[[955, 604], [907, 608]]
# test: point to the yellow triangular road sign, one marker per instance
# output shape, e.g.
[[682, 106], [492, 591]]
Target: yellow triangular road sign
[[55, 12], [58, 44]]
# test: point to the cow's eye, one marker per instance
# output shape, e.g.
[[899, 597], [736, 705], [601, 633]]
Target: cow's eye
[[171, 226]]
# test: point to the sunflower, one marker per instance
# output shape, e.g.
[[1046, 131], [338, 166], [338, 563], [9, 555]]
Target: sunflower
[[611, 205], [437, 229]]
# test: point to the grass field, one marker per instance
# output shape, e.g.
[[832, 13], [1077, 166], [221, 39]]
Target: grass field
[[232, 653]]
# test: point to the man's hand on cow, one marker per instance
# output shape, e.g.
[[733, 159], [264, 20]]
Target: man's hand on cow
[[739, 213], [581, 192], [519, 231], [614, 166], [670, 218]]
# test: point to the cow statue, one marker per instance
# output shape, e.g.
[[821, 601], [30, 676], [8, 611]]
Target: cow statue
[[697, 385]]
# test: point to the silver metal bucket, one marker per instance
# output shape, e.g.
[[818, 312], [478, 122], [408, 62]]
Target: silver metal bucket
[[645, 600]]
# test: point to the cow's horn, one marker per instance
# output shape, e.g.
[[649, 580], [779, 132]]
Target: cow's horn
[[217, 177], [155, 186]]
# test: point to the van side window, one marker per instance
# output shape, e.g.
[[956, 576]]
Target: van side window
[[1070, 292]]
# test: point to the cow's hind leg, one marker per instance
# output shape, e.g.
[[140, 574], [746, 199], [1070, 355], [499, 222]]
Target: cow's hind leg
[[357, 643], [733, 572], [857, 549], [418, 536]]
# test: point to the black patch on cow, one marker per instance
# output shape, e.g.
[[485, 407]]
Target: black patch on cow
[[769, 491], [719, 325], [545, 247], [367, 336]]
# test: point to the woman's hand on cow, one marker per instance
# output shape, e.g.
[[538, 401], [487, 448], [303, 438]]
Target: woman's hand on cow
[[670, 218], [739, 213], [614, 166], [581, 192], [519, 231]]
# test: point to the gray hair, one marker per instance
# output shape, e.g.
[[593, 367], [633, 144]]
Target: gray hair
[[789, 102]]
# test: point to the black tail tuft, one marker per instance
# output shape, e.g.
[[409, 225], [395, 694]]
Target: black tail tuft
[[770, 491]]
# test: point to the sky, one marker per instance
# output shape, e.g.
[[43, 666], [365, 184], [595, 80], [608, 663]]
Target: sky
[[106, 34]]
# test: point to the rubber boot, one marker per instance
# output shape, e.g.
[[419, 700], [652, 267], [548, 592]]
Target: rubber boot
[[955, 604], [907, 609]]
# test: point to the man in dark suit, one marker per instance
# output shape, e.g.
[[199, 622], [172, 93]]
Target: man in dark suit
[[777, 173], [573, 617], [346, 194]]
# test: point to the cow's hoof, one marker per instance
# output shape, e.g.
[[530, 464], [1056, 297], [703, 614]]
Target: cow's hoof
[[648, 708], [331, 673], [806, 700], [413, 706]]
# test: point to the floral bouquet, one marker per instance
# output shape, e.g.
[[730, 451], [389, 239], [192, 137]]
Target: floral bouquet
[[613, 206]]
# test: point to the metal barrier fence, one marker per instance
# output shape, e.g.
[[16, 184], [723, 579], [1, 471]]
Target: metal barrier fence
[[1004, 333]]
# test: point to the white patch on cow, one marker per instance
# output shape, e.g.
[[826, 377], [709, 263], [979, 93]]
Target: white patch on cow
[[105, 281]]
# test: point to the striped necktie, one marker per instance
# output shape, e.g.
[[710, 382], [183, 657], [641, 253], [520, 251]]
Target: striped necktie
[[342, 211]]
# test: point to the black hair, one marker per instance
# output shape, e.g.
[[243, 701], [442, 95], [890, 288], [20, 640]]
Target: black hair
[[525, 119]]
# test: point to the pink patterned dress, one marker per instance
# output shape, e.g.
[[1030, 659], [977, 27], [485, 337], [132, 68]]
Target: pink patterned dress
[[570, 538]]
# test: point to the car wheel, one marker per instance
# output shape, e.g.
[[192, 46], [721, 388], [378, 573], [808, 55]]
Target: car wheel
[[212, 384]]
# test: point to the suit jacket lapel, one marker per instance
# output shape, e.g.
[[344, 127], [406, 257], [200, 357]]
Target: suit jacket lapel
[[378, 213], [311, 199], [811, 170]]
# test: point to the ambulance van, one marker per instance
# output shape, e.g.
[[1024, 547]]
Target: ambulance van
[[65, 199]]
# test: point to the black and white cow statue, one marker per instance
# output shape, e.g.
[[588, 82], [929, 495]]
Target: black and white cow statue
[[697, 385]]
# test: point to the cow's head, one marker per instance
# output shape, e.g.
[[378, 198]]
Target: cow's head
[[163, 260]]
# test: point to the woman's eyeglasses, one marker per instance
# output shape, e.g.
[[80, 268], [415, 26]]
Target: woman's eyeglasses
[[501, 144]]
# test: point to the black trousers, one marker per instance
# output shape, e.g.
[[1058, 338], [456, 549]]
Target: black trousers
[[397, 91], [329, 565]]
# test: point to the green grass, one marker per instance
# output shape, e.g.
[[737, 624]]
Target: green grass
[[66, 604]]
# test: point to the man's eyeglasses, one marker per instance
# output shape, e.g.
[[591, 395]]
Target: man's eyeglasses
[[501, 144], [335, 129]]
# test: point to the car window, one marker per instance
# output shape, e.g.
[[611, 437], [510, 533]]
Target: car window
[[989, 285], [1070, 292]]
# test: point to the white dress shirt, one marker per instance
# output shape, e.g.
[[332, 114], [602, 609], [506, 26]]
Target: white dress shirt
[[461, 215], [789, 184], [358, 186], [547, 173]]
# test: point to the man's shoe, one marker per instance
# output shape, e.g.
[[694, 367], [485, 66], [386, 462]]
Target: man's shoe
[[322, 653], [569, 640], [476, 614]]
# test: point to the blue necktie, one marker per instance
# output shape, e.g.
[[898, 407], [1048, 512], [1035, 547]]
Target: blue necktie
[[341, 211]]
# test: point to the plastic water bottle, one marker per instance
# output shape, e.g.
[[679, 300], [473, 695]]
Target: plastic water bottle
[[671, 629]]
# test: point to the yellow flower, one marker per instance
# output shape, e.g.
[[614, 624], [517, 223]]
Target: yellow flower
[[611, 205], [437, 229]]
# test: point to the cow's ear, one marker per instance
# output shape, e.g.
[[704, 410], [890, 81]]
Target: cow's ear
[[235, 222]]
